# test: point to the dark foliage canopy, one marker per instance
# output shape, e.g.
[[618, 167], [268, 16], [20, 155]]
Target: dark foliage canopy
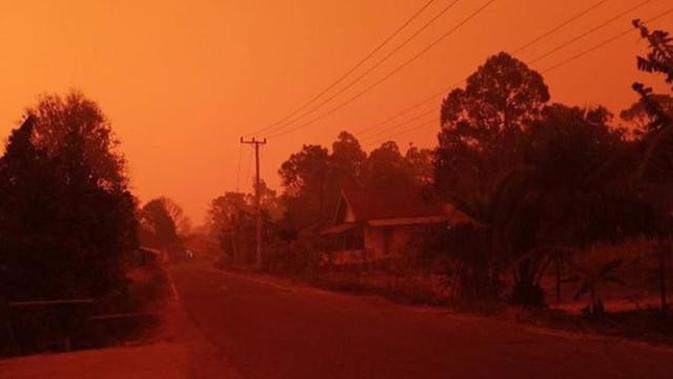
[[67, 219]]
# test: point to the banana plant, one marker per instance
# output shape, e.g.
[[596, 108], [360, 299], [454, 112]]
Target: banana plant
[[590, 281]]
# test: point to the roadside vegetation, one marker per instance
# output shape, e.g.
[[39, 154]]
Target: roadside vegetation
[[72, 271], [570, 206]]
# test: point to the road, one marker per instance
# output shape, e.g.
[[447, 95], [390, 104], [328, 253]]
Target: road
[[271, 331]]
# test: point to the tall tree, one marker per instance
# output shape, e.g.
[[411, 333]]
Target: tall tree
[[654, 176], [482, 125], [347, 158], [231, 223], [183, 225], [639, 116], [60, 119], [66, 215], [386, 167], [482, 141], [421, 164], [304, 176], [158, 225]]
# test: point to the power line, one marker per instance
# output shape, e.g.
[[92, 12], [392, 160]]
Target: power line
[[592, 30], [548, 53], [403, 123], [352, 69], [574, 57], [605, 42], [519, 49], [559, 27], [411, 108], [390, 74], [370, 69], [406, 110], [404, 131]]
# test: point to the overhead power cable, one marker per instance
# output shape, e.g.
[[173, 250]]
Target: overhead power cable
[[433, 110], [351, 70], [590, 31], [597, 46], [528, 44], [401, 132], [391, 73], [559, 27], [605, 42], [544, 55], [376, 65]]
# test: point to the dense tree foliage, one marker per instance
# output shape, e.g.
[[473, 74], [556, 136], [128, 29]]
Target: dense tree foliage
[[654, 175], [303, 178], [67, 218], [483, 126], [158, 226], [539, 177], [541, 181], [232, 222]]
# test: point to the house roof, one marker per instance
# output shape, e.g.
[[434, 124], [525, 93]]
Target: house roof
[[145, 249], [391, 203]]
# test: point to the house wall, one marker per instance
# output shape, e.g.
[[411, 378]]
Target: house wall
[[397, 238]]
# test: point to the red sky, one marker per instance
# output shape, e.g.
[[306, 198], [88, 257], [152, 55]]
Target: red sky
[[181, 81]]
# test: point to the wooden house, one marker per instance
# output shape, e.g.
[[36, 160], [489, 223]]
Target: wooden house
[[377, 225]]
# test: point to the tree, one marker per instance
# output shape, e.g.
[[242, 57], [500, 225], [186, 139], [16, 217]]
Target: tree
[[183, 225], [420, 164], [304, 176], [231, 222], [638, 114], [660, 57], [386, 167], [654, 175], [59, 120], [268, 201], [569, 193], [482, 125], [66, 215], [481, 152], [347, 158], [158, 225]]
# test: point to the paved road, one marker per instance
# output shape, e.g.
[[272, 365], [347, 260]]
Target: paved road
[[267, 331]]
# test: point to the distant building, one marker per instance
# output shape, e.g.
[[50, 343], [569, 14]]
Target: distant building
[[377, 225], [145, 256]]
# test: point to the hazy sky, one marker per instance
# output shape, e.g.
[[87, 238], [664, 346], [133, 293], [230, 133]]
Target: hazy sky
[[181, 81]]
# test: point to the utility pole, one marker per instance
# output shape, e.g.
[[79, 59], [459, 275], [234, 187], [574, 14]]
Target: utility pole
[[258, 209]]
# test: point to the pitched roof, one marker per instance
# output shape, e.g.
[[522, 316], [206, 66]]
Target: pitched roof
[[373, 204]]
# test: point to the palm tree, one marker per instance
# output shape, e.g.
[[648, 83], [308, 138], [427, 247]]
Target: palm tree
[[654, 175]]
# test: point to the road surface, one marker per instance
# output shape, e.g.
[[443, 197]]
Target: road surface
[[267, 330]]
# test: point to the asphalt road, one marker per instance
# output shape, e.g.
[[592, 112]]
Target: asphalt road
[[270, 331]]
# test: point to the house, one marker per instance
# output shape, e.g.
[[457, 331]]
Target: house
[[145, 256], [374, 225]]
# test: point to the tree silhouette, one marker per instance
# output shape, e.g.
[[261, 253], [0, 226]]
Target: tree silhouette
[[482, 125], [158, 225], [654, 175], [304, 176], [67, 219], [386, 167]]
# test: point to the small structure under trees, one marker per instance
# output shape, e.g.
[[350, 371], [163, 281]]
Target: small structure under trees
[[376, 225]]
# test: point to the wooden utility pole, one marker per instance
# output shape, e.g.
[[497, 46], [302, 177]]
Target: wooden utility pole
[[258, 209]]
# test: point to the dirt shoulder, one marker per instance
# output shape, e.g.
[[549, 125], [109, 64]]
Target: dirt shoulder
[[177, 351], [642, 325]]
